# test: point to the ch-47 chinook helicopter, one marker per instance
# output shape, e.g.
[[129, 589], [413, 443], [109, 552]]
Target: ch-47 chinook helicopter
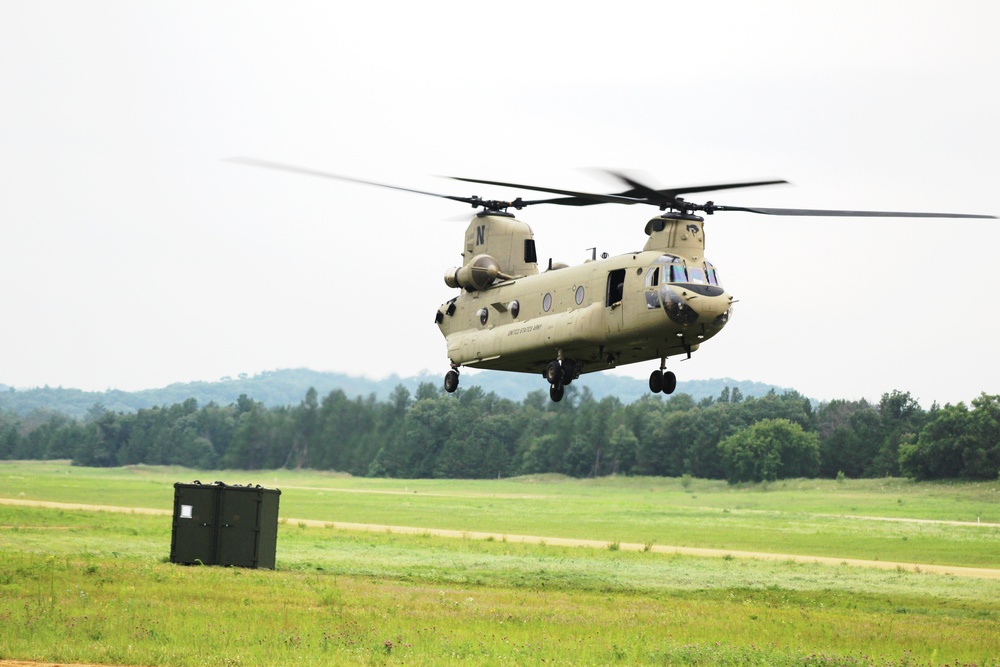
[[657, 303]]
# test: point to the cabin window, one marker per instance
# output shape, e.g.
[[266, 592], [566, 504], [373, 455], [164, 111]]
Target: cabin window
[[547, 302], [579, 295], [616, 286], [696, 275], [678, 274]]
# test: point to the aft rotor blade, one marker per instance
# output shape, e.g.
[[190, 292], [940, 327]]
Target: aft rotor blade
[[845, 214], [588, 197], [277, 166]]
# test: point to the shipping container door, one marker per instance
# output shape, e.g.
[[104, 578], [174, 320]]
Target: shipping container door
[[195, 515], [238, 527]]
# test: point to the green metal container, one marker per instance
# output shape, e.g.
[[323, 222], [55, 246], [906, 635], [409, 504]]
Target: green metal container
[[218, 524]]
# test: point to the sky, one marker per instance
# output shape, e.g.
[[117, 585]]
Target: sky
[[133, 255]]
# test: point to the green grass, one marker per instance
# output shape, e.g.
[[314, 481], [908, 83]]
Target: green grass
[[807, 517], [94, 586]]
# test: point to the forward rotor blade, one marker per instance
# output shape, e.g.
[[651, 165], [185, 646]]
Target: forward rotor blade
[[641, 190], [845, 214]]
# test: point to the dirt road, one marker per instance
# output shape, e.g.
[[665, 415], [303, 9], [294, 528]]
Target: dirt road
[[983, 573]]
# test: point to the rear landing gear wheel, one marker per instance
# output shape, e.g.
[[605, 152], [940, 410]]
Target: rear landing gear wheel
[[556, 392], [570, 371], [451, 381], [554, 373]]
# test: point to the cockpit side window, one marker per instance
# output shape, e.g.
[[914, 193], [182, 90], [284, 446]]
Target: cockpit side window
[[696, 275], [652, 285], [713, 276], [653, 277]]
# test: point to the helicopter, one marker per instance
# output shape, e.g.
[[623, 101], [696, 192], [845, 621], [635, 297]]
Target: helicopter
[[650, 305]]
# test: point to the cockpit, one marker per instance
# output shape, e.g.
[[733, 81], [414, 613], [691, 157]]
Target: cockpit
[[672, 269], [688, 292]]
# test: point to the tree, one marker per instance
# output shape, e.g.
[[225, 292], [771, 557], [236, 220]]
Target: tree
[[848, 432], [427, 427], [938, 451], [983, 461], [901, 418], [768, 450], [107, 436], [622, 448], [9, 434], [306, 426], [957, 442], [249, 448]]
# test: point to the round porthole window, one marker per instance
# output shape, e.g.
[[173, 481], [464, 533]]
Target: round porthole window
[[547, 302], [579, 295], [483, 316], [514, 308]]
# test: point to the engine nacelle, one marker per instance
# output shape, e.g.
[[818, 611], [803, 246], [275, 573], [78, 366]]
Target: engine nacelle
[[478, 274]]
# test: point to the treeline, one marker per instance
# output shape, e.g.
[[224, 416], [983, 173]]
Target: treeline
[[473, 434]]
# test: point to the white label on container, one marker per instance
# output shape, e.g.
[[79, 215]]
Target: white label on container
[[186, 511]]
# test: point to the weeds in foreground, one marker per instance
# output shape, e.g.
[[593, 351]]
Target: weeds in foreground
[[544, 604], [94, 587]]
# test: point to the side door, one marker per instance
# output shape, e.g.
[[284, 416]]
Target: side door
[[614, 301]]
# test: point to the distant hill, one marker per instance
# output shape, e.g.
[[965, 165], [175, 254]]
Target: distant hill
[[288, 387]]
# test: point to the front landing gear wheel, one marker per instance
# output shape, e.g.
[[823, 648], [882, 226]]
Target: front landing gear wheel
[[656, 382], [556, 392], [669, 382], [451, 381], [664, 381]]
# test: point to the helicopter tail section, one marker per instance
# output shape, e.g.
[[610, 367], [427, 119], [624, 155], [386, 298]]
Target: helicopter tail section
[[508, 240]]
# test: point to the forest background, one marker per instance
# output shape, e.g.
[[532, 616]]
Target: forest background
[[477, 434]]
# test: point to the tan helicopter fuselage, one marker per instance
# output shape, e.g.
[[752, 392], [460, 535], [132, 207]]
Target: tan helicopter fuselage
[[652, 304]]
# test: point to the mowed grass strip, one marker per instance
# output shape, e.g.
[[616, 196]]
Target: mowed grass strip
[[92, 587], [803, 517]]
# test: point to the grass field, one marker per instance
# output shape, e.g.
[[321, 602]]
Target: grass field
[[94, 586]]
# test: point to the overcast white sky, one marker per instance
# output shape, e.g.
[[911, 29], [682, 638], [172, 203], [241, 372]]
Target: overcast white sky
[[132, 256]]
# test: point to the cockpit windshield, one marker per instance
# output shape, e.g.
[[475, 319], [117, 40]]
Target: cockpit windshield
[[672, 269], [666, 269]]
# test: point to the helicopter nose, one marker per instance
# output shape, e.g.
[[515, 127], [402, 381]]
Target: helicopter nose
[[708, 306]]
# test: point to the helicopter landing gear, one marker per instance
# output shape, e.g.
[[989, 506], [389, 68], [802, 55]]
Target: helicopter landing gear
[[559, 373], [554, 373], [556, 392], [451, 381], [662, 380]]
